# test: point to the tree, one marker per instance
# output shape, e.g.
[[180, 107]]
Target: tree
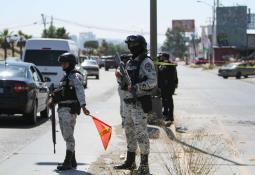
[[91, 45], [3, 40], [54, 32], [22, 37], [61, 33], [175, 43], [111, 49]]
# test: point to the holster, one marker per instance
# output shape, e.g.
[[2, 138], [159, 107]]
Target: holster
[[146, 102], [57, 95], [75, 107]]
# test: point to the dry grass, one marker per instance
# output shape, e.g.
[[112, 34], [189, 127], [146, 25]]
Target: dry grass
[[196, 155]]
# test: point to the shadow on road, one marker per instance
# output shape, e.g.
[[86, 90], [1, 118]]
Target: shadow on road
[[67, 172], [73, 172], [19, 122], [54, 163]]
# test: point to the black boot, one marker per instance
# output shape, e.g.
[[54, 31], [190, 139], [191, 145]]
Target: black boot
[[144, 166], [74, 163], [67, 164], [129, 164]]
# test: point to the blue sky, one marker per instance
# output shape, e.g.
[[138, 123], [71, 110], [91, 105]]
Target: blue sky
[[121, 14]]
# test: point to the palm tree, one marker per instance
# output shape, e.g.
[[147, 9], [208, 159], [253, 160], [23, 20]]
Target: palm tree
[[4, 42], [22, 37]]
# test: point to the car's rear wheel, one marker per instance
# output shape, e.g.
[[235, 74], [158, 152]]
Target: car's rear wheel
[[45, 112], [97, 76], [106, 69], [238, 75], [245, 76], [32, 117], [225, 77]]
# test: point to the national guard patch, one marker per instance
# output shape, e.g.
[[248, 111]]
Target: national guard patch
[[148, 67]]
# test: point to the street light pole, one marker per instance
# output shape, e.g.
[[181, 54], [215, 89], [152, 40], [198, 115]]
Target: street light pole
[[153, 29], [214, 32], [214, 39]]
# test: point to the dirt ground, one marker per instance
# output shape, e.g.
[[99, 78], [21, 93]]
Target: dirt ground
[[159, 157]]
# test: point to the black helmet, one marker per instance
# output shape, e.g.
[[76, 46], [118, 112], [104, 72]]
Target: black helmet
[[67, 57], [165, 56], [136, 40]]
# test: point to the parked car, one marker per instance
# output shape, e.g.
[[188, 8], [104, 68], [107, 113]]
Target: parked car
[[23, 90], [200, 60], [237, 70], [82, 58], [91, 68], [110, 63], [100, 62]]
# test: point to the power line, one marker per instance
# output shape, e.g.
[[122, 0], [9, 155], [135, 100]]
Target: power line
[[118, 30], [20, 26]]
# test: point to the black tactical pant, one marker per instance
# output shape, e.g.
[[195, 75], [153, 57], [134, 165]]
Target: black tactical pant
[[168, 106]]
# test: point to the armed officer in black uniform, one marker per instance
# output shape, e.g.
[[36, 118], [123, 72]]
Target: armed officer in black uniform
[[167, 82]]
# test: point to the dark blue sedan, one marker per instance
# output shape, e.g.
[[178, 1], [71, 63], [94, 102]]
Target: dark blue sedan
[[22, 90]]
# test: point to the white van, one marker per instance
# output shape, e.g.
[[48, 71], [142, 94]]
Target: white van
[[44, 54]]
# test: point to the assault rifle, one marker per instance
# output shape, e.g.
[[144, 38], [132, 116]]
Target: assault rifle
[[125, 77], [53, 120]]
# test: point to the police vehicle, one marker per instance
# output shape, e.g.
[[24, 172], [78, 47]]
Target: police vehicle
[[237, 70]]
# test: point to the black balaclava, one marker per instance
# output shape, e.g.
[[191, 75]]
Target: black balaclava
[[136, 50], [69, 68]]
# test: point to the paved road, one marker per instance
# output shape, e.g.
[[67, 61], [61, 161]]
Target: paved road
[[225, 107], [15, 133], [203, 100]]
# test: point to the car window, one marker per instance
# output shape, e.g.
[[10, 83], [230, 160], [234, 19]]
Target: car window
[[39, 74], [35, 76], [230, 66], [242, 65], [43, 57], [13, 71], [90, 62]]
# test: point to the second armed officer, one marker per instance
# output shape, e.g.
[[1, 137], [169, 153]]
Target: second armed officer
[[142, 73]]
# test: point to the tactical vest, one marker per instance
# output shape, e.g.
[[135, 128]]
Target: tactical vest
[[69, 92], [133, 69]]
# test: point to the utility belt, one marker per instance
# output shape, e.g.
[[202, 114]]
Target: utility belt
[[125, 88], [73, 104], [145, 100]]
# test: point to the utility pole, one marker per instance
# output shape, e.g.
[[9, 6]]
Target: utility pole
[[153, 29], [247, 34], [214, 32], [51, 21], [156, 102], [44, 21]]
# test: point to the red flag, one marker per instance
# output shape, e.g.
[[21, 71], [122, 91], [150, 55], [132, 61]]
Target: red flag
[[104, 130]]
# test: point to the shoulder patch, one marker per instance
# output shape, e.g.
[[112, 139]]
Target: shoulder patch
[[148, 66]]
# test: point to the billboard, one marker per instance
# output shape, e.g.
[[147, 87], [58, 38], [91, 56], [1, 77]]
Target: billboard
[[185, 25], [232, 26]]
